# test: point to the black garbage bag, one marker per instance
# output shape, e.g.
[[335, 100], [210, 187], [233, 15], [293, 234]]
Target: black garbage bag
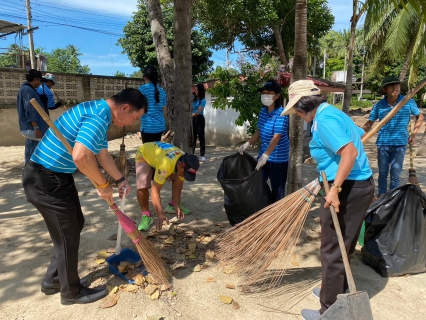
[[395, 234], [246, 192]]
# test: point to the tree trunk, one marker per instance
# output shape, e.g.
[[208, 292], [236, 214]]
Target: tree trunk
[[164, 57], [182, 124], [299, 72], [347, 96], [280, 46], [406, 64]]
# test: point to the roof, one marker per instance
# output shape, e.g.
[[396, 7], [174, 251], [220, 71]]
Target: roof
[[7, 27], [323, 84]]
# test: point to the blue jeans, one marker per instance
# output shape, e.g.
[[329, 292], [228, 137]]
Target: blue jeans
[[389, 157], [30, 146], [277, 174]]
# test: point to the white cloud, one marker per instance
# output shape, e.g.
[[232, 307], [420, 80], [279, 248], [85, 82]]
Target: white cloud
[[114, 7]]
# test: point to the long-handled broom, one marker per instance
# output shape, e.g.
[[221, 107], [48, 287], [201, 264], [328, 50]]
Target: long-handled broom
[[252, 246], [149, 254], [121, 162], [412, 176]]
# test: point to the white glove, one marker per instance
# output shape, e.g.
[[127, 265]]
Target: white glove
[[242, 148], [261, 161]]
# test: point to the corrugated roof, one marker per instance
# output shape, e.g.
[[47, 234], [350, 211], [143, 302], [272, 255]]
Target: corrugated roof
[[7, 27]]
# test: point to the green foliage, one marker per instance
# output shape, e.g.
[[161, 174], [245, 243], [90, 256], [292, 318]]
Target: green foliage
[[137, 74], [240, 92], [251, 22], [119, 74], [139, 46], [12, 57], [66, 60]]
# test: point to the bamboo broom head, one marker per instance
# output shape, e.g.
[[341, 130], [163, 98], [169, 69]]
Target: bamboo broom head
[[149, 254], [267, 237]]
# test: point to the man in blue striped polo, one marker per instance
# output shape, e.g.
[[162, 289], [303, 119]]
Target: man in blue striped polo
[[49, 184], [393, 137]]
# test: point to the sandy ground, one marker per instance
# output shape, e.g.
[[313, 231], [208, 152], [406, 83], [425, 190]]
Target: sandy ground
[[25, 251]]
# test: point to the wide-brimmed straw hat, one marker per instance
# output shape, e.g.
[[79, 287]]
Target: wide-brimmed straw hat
[[297, 90]]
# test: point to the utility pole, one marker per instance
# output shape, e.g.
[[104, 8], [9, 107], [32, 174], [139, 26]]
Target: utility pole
[[30, 36]]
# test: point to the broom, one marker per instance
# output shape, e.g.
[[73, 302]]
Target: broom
[[51, 89], [149, 254], [253, 248], [412, 177]]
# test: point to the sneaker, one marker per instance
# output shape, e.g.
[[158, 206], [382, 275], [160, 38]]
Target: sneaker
[[145, 223], [316, 292], [203, 159], [171, 209], [308, 314]]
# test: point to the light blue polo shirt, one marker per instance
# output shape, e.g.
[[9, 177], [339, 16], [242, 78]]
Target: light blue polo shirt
[[49, 94], [153, 120], [86, 123], [331, 130], [198, 103], [394, 132], [269, 124]]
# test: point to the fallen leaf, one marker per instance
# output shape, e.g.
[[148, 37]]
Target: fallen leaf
[[110, 301], [174, 293], [169, 240], [204, 266], [235, 305], [230, 286], [177, 265], [112, 289], [150, 279], [163, 236], [226, 299], [210, 279], [139, 279], [294, 263], [192, 247], [123, 266], [113, 237], [100, 261], [228, 269], [129, 288], [209, 255], [103, 254], [245, 289], [192, 256], [165, 287], [150, 289], [197, 268], [155, 295]]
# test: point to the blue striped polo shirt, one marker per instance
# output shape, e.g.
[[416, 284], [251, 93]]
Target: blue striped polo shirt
[[331, 130], [198, 103], [86, 123], [394, 132], [48, 93], [153, 120], [269, 124]]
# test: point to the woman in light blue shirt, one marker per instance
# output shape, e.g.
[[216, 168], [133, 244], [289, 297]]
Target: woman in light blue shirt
[[337, 148]]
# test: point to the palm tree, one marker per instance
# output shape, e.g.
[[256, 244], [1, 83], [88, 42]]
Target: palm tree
[[299, 72], [392, 33]]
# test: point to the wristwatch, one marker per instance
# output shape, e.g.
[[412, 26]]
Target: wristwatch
[[339, 188]]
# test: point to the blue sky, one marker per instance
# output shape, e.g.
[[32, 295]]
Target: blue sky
[[63, 22]]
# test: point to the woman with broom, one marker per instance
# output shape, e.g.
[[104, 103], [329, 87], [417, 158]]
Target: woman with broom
[[337, 148], [272, 130]]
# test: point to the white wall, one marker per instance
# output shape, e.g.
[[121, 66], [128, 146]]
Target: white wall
[[221, 129]]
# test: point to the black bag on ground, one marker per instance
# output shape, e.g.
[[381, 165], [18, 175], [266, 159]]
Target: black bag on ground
[[395, 232], [246, 192]]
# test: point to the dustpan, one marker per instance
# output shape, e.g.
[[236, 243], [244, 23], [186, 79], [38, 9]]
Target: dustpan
[[124, 255]]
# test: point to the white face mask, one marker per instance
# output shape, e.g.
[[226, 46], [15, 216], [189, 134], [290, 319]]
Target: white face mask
[[267, 99]]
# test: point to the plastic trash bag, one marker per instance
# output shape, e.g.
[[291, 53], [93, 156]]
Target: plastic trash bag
[[395, 235], [246, 192]]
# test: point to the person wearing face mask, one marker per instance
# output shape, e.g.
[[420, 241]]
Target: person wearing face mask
[[272, 129]]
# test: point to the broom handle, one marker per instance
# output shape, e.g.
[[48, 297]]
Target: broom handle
[[60, 136], [350, 278], [394, 110], [51, 89], [120, 228], [410, 146]]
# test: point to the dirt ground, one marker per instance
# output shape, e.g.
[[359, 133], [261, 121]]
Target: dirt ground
[[26, 248]]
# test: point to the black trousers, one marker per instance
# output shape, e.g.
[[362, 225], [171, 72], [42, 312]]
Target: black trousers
[[56, 198], [151, 137], [355, 198], [198, 127]]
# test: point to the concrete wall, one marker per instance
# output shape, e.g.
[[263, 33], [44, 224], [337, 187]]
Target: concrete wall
[[221, 129]]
